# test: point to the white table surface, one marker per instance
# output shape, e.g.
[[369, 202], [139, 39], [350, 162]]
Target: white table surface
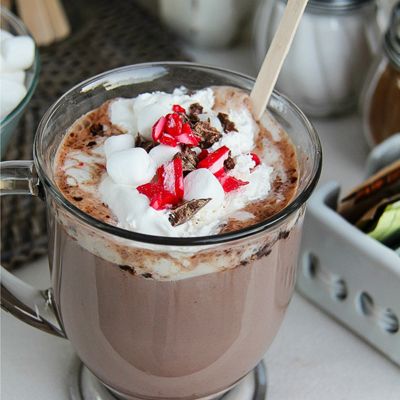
[[312, 357]]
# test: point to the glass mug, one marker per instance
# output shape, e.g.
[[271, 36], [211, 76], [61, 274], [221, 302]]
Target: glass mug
[[144, 338]]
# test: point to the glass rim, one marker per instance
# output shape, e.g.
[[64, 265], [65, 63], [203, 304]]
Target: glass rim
[[251, 230], [17, 23]]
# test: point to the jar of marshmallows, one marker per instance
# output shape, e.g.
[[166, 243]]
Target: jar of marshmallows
[[330, 55], [381, 96]]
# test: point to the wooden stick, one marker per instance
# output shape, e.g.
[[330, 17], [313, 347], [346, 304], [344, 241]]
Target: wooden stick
[[36, 18], [276, 55], [58, 19]]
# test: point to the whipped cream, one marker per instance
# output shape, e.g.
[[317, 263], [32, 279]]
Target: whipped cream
[[128, 167]]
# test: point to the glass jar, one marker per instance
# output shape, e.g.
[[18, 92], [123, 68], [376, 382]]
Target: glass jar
[[381, 95], [330, 55]]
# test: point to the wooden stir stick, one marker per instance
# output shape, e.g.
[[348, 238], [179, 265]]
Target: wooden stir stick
[[276, 55]]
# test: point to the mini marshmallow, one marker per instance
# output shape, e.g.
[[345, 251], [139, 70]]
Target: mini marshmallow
[[15, 76], [11, 95], [162, 153], [202, 184], [132, 167], [18, 52], [117, 143], [121, 114]]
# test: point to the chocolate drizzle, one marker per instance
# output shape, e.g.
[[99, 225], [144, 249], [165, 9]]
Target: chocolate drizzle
[[186, 211]]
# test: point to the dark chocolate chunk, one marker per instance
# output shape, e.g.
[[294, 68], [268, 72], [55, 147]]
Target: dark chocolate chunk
[[144, 143], [226, 123], [185, 211], [229, 163], [127, 268], [208, 134], [189, 158], [193, 116], [96, 129], [195, 109], [147, 275], [77, 198], [91, 143]]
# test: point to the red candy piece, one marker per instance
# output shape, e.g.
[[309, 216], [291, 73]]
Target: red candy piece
[[162, 200], [178, 171], [179, 109], [255, 158], [172, 178], [170, 130], [189, 139], [158, 196], [168, 140], [173, 124], [215, 161], [203, 154], [187, 136], [149, 189], [158, 129], [229, 183]]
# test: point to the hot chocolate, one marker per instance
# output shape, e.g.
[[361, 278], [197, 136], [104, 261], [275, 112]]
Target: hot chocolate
[[175, 322]]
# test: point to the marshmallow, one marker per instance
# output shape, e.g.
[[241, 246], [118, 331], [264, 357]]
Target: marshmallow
[[117, 143], [18, 52], [132, 167], [162, 153], [121, 114], [15, 76], [5, 35], [11, 95], [202, 184]]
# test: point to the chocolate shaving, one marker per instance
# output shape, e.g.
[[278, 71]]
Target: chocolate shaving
[[96, 129], [229, 163], [144, 143], [208, 134], [147, 275], [186, 211], [194, 110], [226, 123], [77, 198], [91, 143], [189, 159]]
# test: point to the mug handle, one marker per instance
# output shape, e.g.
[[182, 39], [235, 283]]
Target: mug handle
[[30, 305]]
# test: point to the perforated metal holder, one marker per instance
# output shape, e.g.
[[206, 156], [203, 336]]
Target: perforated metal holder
[[349, 275]]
